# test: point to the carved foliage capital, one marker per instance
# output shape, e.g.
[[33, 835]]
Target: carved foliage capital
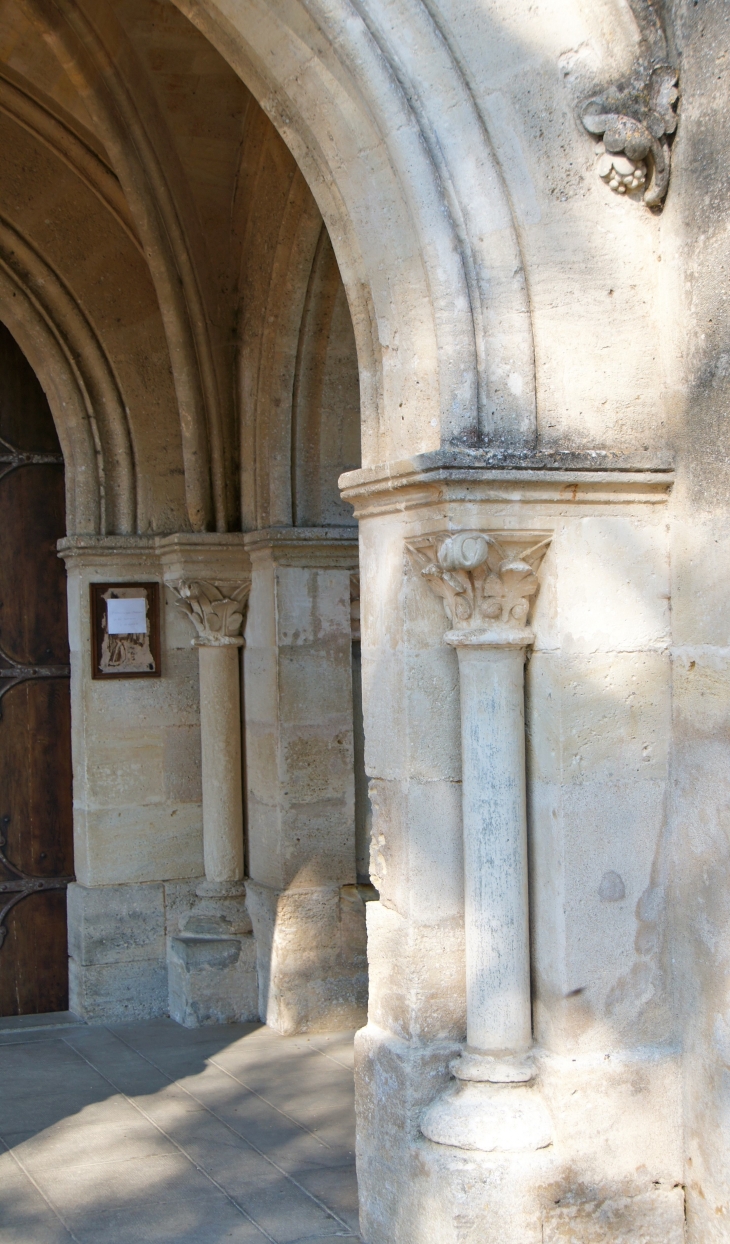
[[483, 581], [217, 610]]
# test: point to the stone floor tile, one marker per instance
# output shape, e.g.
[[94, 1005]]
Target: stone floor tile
[[156, 1133], [336, 1187], [181, 1227], [337, 1046], [314, 1095], [256, 1114], [25, 1217], [112, 1132]]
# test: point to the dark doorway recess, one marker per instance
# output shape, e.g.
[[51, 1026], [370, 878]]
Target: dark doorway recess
[[36, 830]]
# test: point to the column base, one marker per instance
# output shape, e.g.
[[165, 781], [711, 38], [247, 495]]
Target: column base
[[211, 960], [509, 1069], [312, 964], [613, 1174], [221, 889], [489, 1117]]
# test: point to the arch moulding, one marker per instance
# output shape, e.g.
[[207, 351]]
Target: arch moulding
[[401, 167]]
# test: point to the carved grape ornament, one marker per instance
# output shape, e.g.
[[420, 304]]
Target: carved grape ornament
[[635, 123], [636, 119]]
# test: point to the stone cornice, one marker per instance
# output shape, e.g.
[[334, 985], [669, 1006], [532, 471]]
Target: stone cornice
[[204, 555], [73, 547], [212, 556], [313, 547], [595, 478]]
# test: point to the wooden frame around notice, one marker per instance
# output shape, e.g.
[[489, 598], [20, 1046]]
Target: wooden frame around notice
[[125, 668]]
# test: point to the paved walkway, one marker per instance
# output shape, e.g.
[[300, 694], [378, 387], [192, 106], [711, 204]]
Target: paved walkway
[[152, 1132]]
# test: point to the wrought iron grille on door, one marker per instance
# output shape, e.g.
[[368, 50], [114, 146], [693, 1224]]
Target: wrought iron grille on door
[[36, 863]]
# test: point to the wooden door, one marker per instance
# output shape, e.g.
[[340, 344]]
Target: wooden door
[[36, 842]]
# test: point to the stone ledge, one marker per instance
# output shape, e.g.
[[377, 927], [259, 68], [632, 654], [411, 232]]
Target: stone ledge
[[594, 477], [311, 547]]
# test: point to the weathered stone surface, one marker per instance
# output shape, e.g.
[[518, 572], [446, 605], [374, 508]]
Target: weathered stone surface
[[117, 952], [309, 920], [212, 979], [311, 957], [655, 1217], [116, 924], [181, 764], [598, 713], [115, 993], [510, 343]]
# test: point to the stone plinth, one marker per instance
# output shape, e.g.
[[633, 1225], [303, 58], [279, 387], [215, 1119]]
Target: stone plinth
[[212, 966], [117, 967]]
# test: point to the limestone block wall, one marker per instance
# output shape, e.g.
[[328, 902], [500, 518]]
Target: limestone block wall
[[695, 356], [308, 916], [149, 930], [137, 784], [599, 728]]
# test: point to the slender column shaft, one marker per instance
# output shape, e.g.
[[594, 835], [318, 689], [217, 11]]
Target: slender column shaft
[[220, 726], [495, 843]]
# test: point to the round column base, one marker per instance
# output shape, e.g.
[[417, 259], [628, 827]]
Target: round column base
[[490, 1068], [221, 889], [489, 1117]]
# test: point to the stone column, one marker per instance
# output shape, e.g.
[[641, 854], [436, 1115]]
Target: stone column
[[211, 961], [491, 681], [307, 912], [220, 736], [217, 612], [486, 585]]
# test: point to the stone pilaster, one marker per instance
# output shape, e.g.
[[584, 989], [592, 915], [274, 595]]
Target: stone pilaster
[[308, 916], [468, 1034], [487, 585]]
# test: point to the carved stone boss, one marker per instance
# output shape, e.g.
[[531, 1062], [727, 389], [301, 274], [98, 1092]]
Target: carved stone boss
[[217, 611], [487, 584], [636, 119]]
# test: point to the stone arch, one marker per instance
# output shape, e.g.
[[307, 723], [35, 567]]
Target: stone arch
[[79, 382], [60, 384], [103, 65], [59, 136], [323, 405], [432, 269], [269, 353]]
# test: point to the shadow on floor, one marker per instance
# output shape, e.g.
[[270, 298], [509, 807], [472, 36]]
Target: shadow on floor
[[156, 1133]]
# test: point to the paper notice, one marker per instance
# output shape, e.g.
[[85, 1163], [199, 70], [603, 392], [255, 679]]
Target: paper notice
[[127, 616]]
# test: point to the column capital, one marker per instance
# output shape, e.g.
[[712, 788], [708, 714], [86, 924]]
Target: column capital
[[217, 610], [487, 582]]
